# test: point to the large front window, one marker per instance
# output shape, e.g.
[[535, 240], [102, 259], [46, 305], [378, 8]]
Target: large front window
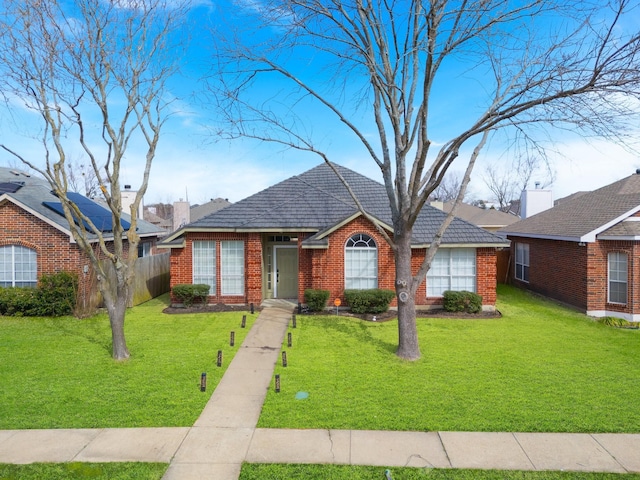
[[232, 267], [204, 264], [522, 261], [18, 266], [618, 277], [452, 269], [361, 262]]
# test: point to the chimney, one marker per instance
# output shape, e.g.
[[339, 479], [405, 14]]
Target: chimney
[[181, 214]]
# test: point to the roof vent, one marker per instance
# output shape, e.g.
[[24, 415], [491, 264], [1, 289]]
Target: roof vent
[[637, 171]]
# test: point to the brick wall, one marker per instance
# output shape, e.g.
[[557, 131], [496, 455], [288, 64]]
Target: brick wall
[[322, 268], [55, 253], [578, 275]]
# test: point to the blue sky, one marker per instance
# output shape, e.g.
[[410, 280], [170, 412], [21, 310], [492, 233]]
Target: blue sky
[[192, 164]]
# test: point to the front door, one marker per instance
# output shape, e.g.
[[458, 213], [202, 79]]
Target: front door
[[286, 263]]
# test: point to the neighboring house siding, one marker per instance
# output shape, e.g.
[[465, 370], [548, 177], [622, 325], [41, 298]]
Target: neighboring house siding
[[54, 251], [557, 269], [599, 282]]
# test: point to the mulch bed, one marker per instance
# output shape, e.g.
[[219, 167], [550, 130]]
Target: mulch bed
[[380, 317]]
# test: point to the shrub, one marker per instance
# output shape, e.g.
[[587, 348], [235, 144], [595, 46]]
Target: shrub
[[618, 322], [369, 301], [54, 296], [189, 293], [57, 294], [316, 300], [463, 301]]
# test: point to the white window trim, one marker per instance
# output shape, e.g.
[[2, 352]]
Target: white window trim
[[523, 264], [610, 281], [32, 252], [368, 248], [211, 276], [225, 277], [451, 275]]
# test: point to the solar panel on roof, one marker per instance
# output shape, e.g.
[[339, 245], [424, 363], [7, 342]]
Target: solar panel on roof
[[99, 215], [10, 187]]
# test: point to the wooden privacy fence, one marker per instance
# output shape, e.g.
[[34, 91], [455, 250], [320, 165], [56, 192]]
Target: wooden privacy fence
[[151, 280]]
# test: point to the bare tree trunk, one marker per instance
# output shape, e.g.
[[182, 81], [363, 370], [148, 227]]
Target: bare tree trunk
[[116, 303], [408, 346]]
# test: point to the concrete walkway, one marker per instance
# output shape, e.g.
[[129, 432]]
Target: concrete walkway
[[225, 435]]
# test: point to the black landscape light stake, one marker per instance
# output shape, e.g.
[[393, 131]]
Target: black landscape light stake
[[293, 321], [244, 321], [232, 339], [203, 382], [252, 309], [299, 308], [289, 339], [219, 363], [277, 383], [284, 359]]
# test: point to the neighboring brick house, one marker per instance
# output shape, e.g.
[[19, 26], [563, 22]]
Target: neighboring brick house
[[35, 238], [585, 251], [306, 232]]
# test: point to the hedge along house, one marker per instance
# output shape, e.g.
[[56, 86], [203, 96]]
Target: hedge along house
[[35, 238], [585, 251], [306, 232]]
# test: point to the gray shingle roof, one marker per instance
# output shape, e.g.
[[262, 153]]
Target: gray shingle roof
[[583, 217], [316, 201], [34, 191], [483, 217]]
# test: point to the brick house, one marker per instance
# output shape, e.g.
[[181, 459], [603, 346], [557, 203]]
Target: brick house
[[584, 251], [306, 232], [35, 238]]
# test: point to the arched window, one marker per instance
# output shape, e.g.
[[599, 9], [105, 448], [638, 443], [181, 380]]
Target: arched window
[[361, 262], [18, 266]]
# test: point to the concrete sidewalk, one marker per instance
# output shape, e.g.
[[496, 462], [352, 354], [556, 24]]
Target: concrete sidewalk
[[225, 435]]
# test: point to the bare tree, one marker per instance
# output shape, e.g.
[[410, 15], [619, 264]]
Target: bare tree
[[83, 179], [449, 188], [94, 73], [381, 66], [507, 181]]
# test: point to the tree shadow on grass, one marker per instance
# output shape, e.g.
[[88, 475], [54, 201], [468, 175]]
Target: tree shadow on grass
[[358, 330]]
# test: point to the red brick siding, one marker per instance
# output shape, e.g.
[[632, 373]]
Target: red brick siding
[[182, 271], [55, 252], [557, 269], [323, 268], [578, 275]]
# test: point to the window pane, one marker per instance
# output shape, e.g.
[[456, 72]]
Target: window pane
[[232, 267], [18, 266], [452, 269], [522, 262], [204, 264], [617, 277], [361, 263]]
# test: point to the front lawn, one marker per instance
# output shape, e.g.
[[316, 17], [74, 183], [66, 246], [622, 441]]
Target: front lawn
[[539, 368], [58, 372], [93, 471], [351, 472]]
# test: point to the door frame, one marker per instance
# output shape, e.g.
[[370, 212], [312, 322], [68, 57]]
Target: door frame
[[274, 273]]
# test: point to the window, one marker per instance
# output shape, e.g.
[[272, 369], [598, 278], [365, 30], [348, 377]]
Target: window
[[18, 266], [144, 249], [204, 264], [618, 277], [361, 262], [232, 267], [452, 269], [522, 261]]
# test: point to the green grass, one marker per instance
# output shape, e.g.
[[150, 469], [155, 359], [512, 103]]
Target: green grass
[[539, 368], [349, 472], [93, 471], [58, 372]]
